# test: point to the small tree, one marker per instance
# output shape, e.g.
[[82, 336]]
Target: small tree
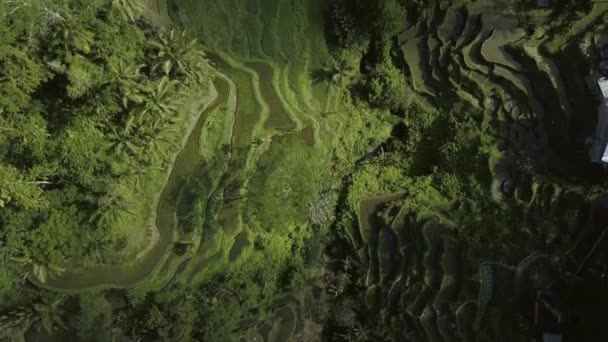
[[338, 71]]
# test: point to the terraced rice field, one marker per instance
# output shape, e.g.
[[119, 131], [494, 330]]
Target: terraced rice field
[[418, 269], [264, 52], [264, 90], [478, 48], [273, 48]]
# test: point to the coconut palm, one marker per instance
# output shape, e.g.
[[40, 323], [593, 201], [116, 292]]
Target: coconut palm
[[108, 209], [95, 247], [177, 53], [121, 142], [48, 314], [258, 141], [158, 99], [128, 9], [103, 217], [128, 79], [338, 71], [154, 136], [19, 318]]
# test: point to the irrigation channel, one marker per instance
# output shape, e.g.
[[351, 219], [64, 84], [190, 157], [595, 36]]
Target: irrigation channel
[[248, 118]]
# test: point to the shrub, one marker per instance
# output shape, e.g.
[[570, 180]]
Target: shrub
[[288, 181]]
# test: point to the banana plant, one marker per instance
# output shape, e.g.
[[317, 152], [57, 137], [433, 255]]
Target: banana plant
[[74, 36]]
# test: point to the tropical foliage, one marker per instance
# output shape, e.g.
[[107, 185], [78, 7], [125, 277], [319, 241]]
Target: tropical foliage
[[288, 183], [94, 100], [90, 95]]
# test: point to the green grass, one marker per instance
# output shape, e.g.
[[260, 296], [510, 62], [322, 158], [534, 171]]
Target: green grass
[[268, 16], [289, 178]]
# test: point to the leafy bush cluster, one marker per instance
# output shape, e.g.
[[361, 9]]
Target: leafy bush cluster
[[288, 181], [352, 23]]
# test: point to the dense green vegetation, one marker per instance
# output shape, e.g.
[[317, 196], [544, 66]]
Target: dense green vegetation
[[280, 196], [93, 103], [231, 170]]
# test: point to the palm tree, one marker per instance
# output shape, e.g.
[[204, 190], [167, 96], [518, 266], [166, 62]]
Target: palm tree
[[258, 141], [128, 9], [94, 246], [128, 79], [20, 318], [176, 53], [48, 314], [338, 71], [109, 208], [103, 217], [158, 99], [121, 141], [154, 136]]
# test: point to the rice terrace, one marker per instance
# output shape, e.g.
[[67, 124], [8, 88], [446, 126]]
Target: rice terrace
[[303, 170]]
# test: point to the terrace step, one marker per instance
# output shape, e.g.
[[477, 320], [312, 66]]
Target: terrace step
[[452, 26], [417, 61], [428, 320], [465, 316], [426, 288], [493, 48], [471, 53]]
